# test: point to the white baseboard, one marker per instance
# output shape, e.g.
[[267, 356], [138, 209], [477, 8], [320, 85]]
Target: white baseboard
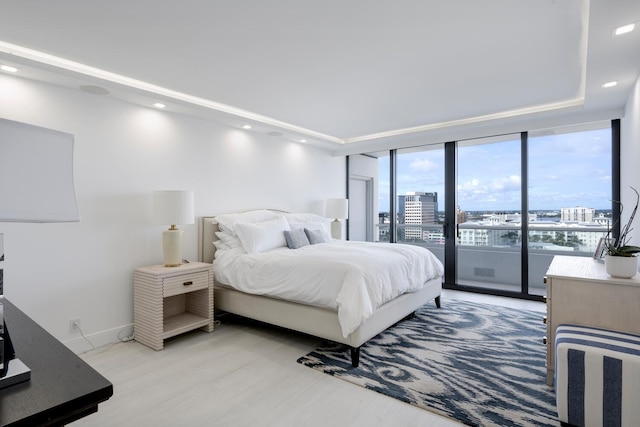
[[99, 339]]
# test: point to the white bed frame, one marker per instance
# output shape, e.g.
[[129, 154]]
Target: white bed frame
[[316, 321]]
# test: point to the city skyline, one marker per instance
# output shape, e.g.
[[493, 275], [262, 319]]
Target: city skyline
[[565, 170]]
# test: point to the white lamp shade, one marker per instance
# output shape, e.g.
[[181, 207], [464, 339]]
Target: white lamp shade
[[36, 174], [337, 208], [173, 207]]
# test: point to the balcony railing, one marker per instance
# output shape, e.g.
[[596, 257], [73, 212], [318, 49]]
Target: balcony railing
[[492, 258]]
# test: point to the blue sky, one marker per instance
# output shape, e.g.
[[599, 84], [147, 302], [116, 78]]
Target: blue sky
[[566, 170]]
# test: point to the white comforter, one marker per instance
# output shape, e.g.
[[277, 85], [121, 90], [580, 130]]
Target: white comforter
[[353, 277]]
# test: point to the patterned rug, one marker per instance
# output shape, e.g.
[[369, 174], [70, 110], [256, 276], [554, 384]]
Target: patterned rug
[[483, 365]]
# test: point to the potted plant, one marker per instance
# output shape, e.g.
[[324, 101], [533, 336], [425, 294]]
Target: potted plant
[[620, 257]]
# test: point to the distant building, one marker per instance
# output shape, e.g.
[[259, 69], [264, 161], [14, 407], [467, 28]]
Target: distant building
[[577, 214], [461, 216], [418, 208], [514, 217]]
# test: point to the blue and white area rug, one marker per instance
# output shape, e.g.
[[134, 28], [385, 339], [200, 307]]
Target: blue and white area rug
[[483, 365]]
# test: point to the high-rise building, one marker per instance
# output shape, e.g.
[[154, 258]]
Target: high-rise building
[[578, 214], [419, 208], [461, 216]]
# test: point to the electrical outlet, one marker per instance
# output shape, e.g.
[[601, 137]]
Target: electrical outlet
[[74, 325]]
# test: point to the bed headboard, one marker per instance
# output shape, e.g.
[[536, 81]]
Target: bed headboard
[[208, 228]]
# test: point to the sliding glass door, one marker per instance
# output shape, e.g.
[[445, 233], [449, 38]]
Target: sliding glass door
[[488, 219], [570, 193]]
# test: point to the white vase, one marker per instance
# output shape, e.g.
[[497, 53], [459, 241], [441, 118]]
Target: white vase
[[621, 266]]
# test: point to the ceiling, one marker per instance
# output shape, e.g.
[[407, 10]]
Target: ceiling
[[351, 76]]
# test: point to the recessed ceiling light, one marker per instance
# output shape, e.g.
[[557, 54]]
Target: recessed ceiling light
[[624, 29], [246, 126], [8, 69], [159, 105], [303, 140], [609, 84]]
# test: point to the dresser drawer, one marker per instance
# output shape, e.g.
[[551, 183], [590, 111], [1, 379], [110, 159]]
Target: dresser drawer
[[185, 283]]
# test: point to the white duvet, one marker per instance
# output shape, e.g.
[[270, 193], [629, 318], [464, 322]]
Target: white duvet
[[353, 277]]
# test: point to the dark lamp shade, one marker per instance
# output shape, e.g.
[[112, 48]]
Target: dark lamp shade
[[36, 174]]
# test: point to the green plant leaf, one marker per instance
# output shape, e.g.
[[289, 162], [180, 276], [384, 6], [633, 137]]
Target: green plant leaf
[[629, 249]]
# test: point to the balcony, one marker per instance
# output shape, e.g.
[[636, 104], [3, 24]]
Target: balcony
[[493, 261]]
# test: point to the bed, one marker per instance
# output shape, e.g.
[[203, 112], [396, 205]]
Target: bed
[[258, 292]]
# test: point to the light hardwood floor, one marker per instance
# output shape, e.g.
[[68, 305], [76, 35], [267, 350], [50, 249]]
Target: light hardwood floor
[[244, 375]]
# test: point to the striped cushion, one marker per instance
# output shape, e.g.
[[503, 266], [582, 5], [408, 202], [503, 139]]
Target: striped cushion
[[597, 376]]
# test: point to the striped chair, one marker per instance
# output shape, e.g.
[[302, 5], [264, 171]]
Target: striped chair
[[597, 377]]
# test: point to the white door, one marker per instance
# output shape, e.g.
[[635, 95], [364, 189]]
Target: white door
[[360, 208]]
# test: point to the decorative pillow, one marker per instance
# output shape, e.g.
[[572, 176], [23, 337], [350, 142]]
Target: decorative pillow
[[296, 238], [229, 239], [263, 236], [314, 236], [227, 222], [312, 222]]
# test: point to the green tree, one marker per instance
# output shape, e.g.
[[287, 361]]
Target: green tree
[[511, 238]]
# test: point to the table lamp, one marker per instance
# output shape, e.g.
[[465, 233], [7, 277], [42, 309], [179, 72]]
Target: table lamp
[[174, 207], [36, 185], [337, 209]]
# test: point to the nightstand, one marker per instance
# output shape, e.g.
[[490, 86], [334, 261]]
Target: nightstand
[[169, 301]]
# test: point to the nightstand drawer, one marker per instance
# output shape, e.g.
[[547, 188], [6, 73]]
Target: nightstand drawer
[[185, 283]]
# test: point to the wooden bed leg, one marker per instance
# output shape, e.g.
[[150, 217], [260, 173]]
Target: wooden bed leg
[[355, 356], [438, 301]]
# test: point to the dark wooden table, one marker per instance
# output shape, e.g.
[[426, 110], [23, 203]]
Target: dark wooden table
[[63, 387]]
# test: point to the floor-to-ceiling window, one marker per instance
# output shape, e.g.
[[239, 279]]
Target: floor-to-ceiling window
[[561, 179], [489, 200], [570, 194]]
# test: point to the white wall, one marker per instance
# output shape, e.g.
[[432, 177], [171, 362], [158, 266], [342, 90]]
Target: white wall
[[630, 159], [123, 152]]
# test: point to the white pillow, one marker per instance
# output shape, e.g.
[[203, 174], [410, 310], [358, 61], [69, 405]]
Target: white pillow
[[303, 217], [220, 246], [263, 236], [229, 239], [227, 222]]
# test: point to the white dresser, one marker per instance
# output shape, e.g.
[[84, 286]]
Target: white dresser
[[579, 291]]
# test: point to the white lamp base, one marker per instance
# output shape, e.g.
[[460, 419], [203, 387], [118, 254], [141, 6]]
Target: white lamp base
[[172, 247], [336, 229]]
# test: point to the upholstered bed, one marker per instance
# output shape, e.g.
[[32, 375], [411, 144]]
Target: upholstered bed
[[298, 314]]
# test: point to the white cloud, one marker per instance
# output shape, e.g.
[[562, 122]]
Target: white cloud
[[423, 165]]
